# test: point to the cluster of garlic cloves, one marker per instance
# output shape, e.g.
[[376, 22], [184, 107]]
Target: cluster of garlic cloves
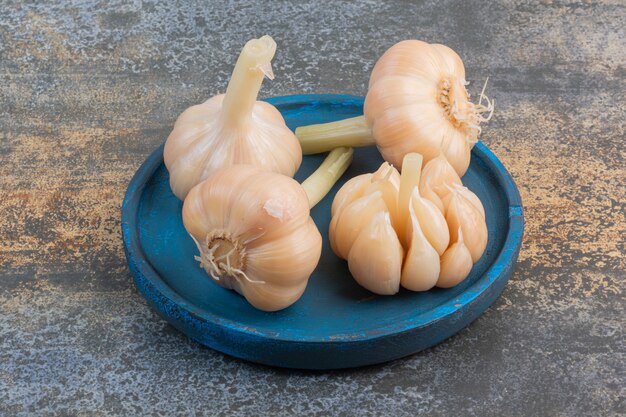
[[394, 235], [233, 128]]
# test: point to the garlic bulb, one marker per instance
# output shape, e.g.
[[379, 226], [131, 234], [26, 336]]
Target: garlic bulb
[[254, 231], [417, 102], [391, 235], [232, 128]]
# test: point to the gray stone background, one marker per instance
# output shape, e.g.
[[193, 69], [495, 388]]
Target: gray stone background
[[89, 88]]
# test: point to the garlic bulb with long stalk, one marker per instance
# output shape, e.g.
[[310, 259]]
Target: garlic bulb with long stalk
[[233, 128], [416, 102], [254, 231]]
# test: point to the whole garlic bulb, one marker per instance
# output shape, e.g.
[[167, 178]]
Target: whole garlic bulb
[[393, 236], [254, 231], [254, 234], [232, 128], [416, 102]]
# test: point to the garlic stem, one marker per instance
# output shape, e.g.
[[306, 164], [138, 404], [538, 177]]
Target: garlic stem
[[253, 64], [322, 180], [352, 132], [409, 179]]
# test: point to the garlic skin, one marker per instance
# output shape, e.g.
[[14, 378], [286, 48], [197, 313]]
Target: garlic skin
[[254, 234], [232, 128], [416, 102]]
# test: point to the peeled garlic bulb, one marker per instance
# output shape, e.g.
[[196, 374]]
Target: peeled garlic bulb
[[463, 215], [421, 265], [417, 102], [375, 258], [404, 218], [456, 263], [254, 232], [232, 128]]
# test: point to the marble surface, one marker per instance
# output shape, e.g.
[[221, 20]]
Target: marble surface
[[88, 89]]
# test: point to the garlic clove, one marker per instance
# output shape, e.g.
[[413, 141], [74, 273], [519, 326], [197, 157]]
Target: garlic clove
[[421, 264], [471, 197], [456, 263], [427, 192], [463, 215], [375, 258], [433, 223], [468, 194], [389, 195], [439, 174], [350, 191], [388, 172], [350, 221]]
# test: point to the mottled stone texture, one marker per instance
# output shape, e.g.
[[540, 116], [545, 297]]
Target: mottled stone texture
[[88, 89]]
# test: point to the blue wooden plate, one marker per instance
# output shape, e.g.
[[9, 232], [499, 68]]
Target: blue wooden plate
[[336, 323]]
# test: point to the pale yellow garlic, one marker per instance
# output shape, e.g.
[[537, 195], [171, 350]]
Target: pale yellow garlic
[[427, 192], [420, 271], [431, 219], [350, 191], [346, 225], [254, 232], [456, 263], [468, 194], [461, 214], [372, 202], [417, 102], [434, 225], [438, 175], [375, 258], [232, 128]]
